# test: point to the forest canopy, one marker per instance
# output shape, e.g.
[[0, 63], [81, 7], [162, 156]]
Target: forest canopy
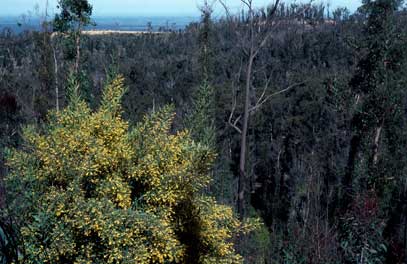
[[287, 120]]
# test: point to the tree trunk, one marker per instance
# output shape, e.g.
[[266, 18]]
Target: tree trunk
[[78, 51], [348, 179], [375, 154], [243, 145], [373, 159], [56, 77]]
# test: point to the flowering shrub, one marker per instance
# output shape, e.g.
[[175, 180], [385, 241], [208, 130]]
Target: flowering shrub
[[90, 190]]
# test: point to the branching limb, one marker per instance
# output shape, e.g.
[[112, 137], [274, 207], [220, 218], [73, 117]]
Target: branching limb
[[232, 113], [232, 123], [261, 102]]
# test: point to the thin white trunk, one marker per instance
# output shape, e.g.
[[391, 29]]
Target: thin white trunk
[[78, 51], [376, 144], [56, 77]]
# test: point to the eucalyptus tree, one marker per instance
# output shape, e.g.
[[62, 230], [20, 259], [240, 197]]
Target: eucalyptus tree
[[259, 28], [74, 16], [378, 88]]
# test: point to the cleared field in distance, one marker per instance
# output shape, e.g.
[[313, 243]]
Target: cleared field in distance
[[108, 32]]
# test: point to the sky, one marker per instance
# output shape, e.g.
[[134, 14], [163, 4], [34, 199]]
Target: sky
[[143, 7]]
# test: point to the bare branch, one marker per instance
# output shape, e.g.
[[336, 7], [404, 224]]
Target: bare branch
[[226, 9], [248, 3], [237, 120], [266, 86], [240, 37], [234, 103], [260, 103], [232, 112], [271, 23], [265, 39], [274, 9]]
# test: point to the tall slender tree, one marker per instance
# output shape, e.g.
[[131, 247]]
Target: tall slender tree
[[259, 30], [377, 87], [74, 16]]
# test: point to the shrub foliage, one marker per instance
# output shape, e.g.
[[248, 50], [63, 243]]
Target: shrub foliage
[[89, 189]]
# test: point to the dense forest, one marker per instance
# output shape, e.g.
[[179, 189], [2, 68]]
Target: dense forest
[[272, 135]]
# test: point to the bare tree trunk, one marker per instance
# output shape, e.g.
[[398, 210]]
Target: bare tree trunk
[[243, 145], [374, 157], [78, 51], [255, 42], [376, 144], [46, 9], [78, 48], [56, 77]]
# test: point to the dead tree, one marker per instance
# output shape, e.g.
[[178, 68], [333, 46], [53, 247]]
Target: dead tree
[[257, 32]]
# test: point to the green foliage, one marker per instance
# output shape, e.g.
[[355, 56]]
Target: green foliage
[[89, 190], [74, 14], [201, 119], [379, 83], [257, 245], [362, 232], [299, 141], [9, 244], [205, 41]]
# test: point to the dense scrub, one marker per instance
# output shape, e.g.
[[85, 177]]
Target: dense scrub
[[90, 190], [326, 164]]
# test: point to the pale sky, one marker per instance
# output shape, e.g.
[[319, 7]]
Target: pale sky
[[144, 7]]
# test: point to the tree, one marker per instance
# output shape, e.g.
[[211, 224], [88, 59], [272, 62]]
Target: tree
[[89, 189], [74, 16], [46, 67], [201, 118], [377, 139], [256, 35], [377, 85]]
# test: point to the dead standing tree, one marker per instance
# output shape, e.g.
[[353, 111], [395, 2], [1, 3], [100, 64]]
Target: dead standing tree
[[258, 31], [54, 46]]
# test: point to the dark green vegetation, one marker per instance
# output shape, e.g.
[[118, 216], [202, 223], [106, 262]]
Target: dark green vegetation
[[324, 163]]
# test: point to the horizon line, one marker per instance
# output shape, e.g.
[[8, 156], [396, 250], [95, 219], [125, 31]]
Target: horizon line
[[112, 15]]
